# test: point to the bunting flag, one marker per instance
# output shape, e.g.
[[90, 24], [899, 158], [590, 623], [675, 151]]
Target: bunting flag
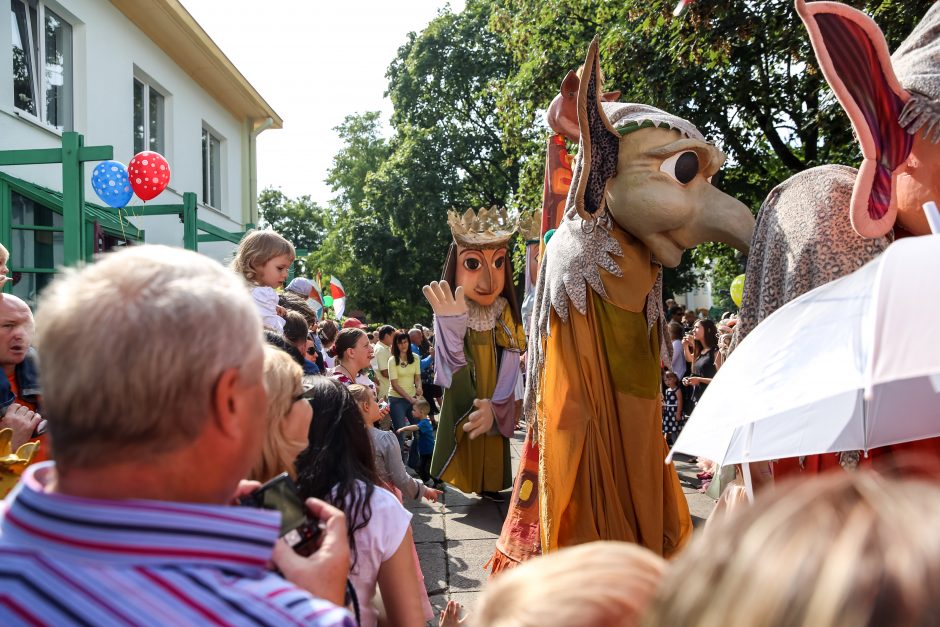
[[315, 299], [681, 7], [339, 296]]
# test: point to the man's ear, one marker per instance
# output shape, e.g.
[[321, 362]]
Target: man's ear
[[854, 58], [225, 401]]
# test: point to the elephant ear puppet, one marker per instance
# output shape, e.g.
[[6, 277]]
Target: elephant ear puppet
[[888, 99]]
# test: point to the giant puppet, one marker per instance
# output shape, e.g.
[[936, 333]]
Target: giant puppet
[[478, 341], [640, 195], [827, 222]]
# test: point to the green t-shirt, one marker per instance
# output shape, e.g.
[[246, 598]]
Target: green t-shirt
[[405, 374]]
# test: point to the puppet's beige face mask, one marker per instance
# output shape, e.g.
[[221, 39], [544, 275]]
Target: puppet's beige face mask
[[662, 195], [481, 273]]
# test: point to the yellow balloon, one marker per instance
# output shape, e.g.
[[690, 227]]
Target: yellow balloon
[[737, 289]]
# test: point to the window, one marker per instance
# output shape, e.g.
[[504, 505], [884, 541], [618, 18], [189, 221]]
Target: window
[[211, 169], [37, 247], [148, 118], [42, 63]]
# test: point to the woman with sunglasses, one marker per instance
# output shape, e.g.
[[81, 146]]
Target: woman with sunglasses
[[289, 415], [338, 467]]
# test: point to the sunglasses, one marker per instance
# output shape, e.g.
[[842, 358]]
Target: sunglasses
[[306, 394]]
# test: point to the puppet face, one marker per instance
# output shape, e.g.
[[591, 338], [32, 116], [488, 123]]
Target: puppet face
[[917, 182], [482, 273], [661, 195]]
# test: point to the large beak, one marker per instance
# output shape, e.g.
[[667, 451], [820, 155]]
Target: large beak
[[722, 219]]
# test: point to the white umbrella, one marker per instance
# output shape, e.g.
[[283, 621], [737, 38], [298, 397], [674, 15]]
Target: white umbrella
[[851, 365]]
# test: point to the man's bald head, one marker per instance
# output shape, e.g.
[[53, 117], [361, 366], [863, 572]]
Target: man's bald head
[[11, 302], [16, 331]]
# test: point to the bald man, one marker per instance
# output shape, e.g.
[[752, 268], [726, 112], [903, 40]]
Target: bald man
[[20, 397]]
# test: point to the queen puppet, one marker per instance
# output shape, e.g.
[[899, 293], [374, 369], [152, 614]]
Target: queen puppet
[[479, 339]]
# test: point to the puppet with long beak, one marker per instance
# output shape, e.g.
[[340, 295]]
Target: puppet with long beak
[[641, 194]]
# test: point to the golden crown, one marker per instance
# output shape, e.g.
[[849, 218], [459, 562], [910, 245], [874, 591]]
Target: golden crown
[[530, 226], [486, 228]]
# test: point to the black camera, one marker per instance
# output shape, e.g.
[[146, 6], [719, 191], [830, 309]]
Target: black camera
[[280, 494]]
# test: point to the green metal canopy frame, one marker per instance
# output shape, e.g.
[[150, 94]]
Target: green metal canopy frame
[[76, 213]]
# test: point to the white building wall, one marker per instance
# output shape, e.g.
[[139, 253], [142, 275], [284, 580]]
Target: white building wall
[[107, 51]]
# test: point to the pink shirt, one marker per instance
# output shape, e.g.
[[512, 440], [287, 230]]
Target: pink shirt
[[376, 543]]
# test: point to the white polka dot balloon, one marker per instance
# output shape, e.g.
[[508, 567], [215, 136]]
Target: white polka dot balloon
[[150, 174], [110, 182]]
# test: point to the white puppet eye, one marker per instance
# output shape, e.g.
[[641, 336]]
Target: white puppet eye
[[682, 166]]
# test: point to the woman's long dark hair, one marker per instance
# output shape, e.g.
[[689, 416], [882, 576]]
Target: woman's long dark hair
[[401, 335], [338, 454], [710, 334]]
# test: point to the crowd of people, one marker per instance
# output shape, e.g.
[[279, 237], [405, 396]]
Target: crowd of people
[[134, 517]]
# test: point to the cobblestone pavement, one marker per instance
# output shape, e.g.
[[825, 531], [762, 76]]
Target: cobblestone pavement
[[456, 536]]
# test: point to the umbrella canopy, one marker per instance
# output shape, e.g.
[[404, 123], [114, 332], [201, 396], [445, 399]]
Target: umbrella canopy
[[851, 365]]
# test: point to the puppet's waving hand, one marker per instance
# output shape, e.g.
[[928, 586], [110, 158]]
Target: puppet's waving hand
[[450, 326], [442, 302]]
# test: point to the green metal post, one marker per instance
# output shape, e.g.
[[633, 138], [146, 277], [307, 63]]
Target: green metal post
[[89, 241], [73, 202], [190, 228]]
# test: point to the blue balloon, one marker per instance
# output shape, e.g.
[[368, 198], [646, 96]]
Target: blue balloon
[[109, 179]]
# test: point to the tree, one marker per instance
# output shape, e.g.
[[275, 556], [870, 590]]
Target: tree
[[743, 72], [387, 225], [351, 249], [299, 220]]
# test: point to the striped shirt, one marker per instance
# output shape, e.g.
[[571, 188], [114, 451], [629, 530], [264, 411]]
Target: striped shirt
[[66, 560]]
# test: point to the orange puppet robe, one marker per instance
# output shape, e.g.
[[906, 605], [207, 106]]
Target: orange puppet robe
[[602, 474]]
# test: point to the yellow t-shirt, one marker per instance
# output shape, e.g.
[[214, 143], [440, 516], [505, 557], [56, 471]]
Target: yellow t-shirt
[[382, 355], [405, 374]]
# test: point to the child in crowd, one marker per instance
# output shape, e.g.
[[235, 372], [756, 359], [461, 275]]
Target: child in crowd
[[672, 406], [338, 467], [421, 411], [391, 469], [4, 269], [263, 258], [842, 549], [388, 461], [551, 590]]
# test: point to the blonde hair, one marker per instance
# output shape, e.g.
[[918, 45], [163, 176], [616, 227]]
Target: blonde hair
[[360, 393], [840, 550], [4, 255], [423, 406], [551, 590], [188, 320], [282, 379], [258, 247]]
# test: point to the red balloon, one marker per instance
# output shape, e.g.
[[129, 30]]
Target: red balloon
[[149, 174]]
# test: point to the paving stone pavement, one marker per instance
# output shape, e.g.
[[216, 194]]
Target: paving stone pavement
[[456, 536]]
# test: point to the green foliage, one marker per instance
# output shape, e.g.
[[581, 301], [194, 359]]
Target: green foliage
[[300, 220], [743, 72], [388, 233], [470, 92]]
